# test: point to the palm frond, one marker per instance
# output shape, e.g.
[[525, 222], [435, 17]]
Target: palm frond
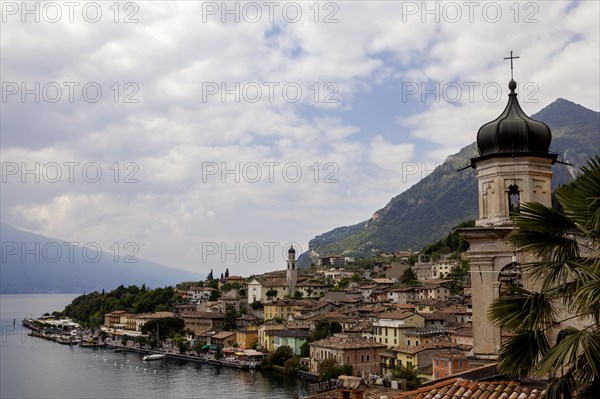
[[521, 352], [556, 273], [544, 231], [591, 391], [522, 309], [561, 388], [581, 200], [570, 345]]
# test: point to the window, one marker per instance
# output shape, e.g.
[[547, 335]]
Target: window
[[362, 358], [514, 198], [368, 357]]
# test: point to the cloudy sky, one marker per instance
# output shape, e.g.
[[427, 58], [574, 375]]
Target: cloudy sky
[[212, 134]]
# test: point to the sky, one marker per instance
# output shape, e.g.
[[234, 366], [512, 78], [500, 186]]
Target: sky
[[213, 135]]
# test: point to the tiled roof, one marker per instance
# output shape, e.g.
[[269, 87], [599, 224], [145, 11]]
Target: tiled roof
[[223, 334], [203, 315], [413, 349], [347, 343], [397, 315], [458, 388], [275, 282]]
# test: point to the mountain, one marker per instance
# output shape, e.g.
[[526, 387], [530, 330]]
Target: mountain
[[32, 263], [440, 201]]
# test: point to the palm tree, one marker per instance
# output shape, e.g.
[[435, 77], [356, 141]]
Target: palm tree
[[567, 274]]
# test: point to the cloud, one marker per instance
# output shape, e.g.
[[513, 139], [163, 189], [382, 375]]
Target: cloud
[[192, 106]]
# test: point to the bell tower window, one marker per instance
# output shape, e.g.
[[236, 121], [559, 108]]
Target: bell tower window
[[514, 198]]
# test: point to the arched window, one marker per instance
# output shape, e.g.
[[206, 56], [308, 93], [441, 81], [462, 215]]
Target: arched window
[[514, 198], [510, 275]]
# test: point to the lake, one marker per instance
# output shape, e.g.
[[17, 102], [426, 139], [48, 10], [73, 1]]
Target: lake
[[35, 368]]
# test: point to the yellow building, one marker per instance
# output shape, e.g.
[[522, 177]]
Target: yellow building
[[247, 338], [284, 308], [391, 327], [265, 340], [420, 356]]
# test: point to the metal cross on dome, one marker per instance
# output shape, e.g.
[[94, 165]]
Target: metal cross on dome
[[511, 58]]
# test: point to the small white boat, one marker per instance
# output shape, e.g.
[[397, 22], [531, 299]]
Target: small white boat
[[156, 356]]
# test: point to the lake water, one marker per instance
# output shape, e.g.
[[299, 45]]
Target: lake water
[[35, 368]]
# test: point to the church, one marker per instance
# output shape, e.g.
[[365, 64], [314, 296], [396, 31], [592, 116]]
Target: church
[[513, 166]]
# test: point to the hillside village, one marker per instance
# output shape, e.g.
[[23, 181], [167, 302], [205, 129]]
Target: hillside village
[[391, 316]]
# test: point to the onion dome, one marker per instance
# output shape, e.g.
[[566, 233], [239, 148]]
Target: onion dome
[[513, 133], [291, 250]]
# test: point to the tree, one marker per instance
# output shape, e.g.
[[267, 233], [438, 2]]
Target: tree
[[198, 348], [226, 272], [209, 277], [298, 294], [124, 340], [166, 327], [214, 295], [305, 349], [569, 279], [291, 365], [409, 277], [141, 340], [324, 329], [272, 293], [281, 354], [231, 316], [410, 374], [329, 369], [180, 342], [457, 275]]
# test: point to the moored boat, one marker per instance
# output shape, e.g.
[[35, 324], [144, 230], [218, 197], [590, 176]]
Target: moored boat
[[155, 356]]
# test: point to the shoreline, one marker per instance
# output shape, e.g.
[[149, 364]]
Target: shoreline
[[35, 332]]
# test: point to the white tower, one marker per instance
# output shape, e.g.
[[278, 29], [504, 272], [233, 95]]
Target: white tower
[[291, 273]]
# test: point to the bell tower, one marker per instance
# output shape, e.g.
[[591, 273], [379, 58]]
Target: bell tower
[[291, 273], [513, 166]]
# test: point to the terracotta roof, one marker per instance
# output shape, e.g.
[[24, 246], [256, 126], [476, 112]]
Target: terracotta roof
[[234, 278], [412, 349], [458, 388], [347, 343], [463, 332], [290, 302], [223, 334], [437, 316], [398, 315], [275, 282], [203, 315]]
